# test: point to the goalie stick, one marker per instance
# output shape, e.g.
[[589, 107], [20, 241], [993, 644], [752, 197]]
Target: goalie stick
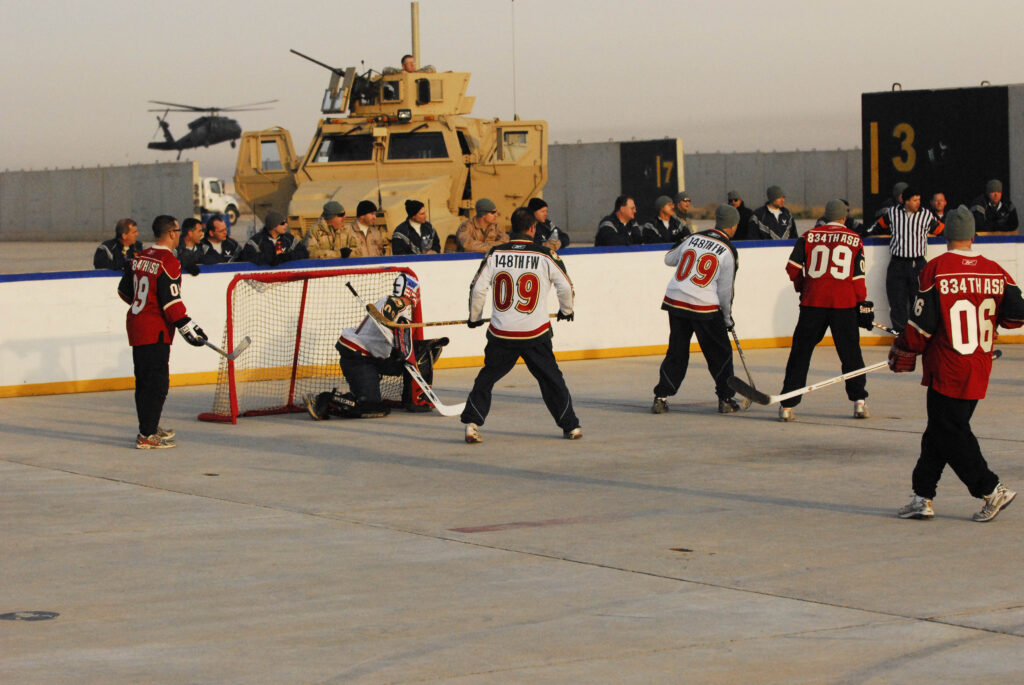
[[442, 409], [762, 398], [380, 318], [239, 349]]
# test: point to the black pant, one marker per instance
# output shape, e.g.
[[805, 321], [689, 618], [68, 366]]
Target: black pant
[[152, 378], [714, 343], [901, 287], [499, 358], [363, 374], [948, 440], [810, 329]]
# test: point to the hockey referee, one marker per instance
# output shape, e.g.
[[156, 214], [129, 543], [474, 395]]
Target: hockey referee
[[909, 225]]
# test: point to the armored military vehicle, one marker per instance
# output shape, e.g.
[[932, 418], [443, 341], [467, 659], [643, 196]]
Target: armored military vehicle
[[389, 138]]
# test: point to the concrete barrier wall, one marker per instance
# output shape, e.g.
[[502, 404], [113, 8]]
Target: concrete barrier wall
[[84, 204], [584, 179], [65, 332]]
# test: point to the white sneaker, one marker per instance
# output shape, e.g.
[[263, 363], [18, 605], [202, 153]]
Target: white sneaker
[[860, 410], [786, 414], [660, 406], [473, 433], [165, 433], [575, 434], [995, 502], [918, 508]]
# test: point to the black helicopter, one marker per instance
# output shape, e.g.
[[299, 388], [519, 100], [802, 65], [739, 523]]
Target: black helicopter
[[206, 130]]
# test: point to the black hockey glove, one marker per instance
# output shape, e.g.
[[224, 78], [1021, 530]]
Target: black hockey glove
[[866, 314], [474, 324], [397, 355], [562, 316], [192, 333]]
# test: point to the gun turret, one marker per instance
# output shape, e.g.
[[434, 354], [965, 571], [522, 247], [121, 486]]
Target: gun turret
[[339, 91]]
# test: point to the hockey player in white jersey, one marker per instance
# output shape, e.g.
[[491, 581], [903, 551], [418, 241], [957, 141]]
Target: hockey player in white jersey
[[698, 300], [519, 275]]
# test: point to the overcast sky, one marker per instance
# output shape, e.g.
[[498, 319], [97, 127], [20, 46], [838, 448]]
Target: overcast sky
[[722, 76]]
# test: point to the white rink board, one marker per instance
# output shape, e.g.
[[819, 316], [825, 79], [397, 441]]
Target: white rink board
[[71, 328]]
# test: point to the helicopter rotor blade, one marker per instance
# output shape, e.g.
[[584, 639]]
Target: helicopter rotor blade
[[238, 108], [186, 108]]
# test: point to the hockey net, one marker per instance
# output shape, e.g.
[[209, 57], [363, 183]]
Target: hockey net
[[293, 319]]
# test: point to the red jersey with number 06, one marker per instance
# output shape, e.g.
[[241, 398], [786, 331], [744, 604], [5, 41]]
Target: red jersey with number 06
[[153, 289], [963, 298], [827, 267]]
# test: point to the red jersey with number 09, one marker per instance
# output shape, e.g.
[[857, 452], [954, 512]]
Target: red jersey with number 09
[[153, 289], [827, 267], [963, 297]]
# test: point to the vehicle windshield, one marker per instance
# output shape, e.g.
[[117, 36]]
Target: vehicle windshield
[[422, 145], [341, 148]]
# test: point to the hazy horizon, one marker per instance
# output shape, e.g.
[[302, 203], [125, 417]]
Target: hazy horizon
[[723, 77]]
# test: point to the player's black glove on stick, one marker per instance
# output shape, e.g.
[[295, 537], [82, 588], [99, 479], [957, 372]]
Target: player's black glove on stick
[[397, 355], [866, 314], [562, 316], [730, 324], [474, 324], [192, 333]]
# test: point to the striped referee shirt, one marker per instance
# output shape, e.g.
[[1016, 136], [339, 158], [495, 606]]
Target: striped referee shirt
[[909, 231]]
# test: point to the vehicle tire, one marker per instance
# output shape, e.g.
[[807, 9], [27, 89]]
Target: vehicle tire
[[232, 212]]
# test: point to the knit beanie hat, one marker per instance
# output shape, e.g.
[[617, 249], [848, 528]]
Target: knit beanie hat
[[661, 202], [535, 204], [734, 195], [273, 219], [959, 224], [835, 210], [365, 207], [726, 216], [994, 186], [682, 196], [774, 193], [484, 205], [413, 207], [333, 209]]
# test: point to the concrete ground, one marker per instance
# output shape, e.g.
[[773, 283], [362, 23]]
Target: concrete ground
[[685, 547]]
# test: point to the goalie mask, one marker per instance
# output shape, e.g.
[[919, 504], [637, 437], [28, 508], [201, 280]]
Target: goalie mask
[[407, 286]]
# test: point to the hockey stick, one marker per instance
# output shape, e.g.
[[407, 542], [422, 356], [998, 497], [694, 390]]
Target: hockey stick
[[996, 354], [239, 349], [743, 359], [761, 398], [442, 409], [378, 316]]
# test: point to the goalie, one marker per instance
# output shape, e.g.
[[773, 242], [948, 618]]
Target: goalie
[[367, 353]]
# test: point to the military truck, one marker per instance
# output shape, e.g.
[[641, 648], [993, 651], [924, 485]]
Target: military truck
[[389, 138]]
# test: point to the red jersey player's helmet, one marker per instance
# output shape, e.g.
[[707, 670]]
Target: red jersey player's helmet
[[407, 286]]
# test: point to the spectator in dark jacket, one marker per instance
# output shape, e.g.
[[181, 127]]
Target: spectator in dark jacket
[[116, 253], [772, 221], [274, 245], [415, 235], [552, 236], [734, 199], [665, 227], [189, 252], [217, 247], [991, 212], [619, 227]]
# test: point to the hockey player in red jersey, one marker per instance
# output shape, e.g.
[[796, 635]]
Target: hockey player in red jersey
[[963, 297], [520, 274], [152, 287], [827, 269]]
